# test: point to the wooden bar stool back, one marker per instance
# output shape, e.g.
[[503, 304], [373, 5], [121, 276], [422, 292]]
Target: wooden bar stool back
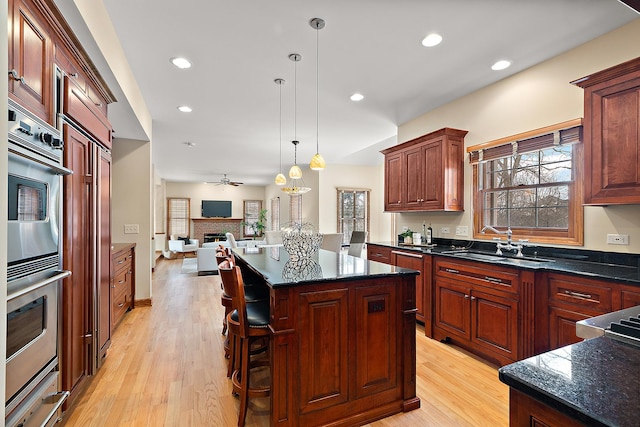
[[247, 324]]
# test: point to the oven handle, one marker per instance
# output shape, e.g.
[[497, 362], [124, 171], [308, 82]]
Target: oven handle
[[56, 168], [38, 285], [63, 396]]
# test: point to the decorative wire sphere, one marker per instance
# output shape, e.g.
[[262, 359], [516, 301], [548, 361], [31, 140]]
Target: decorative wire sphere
[[299, 269], [301, 240]]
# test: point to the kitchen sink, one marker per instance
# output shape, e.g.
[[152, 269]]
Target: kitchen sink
[[480, 256]]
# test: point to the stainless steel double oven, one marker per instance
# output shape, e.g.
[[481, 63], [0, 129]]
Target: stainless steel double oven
[[34, 275]]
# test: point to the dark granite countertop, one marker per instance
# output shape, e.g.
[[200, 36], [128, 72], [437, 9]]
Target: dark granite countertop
[[600, 265], [275, 267], [596, 381]]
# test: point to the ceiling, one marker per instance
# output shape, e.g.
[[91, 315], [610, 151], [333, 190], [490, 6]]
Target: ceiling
[[239, 47]]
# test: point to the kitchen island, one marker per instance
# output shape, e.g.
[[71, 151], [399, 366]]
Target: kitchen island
[[343, 349]]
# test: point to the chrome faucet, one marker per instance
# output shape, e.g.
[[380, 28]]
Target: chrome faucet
[[506, 246]]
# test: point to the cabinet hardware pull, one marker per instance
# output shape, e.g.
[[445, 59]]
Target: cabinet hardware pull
[[121, 261], [466, 296], [473, 298], [493, 279], [451, 270], [578, 294], [14, 75], [74, 75], [120, 305], [407, 254], [114, 286], [120, 281]]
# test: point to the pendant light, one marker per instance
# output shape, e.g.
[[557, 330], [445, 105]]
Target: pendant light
[[296, 184], [317, 161], [280, 179]]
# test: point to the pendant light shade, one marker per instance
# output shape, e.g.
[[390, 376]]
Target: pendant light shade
[[280, 179], [296, 184], [317, 161]]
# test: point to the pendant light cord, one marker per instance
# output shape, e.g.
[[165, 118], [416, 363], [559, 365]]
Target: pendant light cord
[[317, 84], [280, 87]]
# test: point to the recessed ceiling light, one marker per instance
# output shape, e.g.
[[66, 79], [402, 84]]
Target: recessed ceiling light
[[431, 40], [189, 144], [501, 65], [357, 97], [185, 109], [181, 62]]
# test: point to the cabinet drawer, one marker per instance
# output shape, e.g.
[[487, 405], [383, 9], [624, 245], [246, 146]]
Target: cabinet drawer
[[379, 253], [119, 306], [122, 262], [490, 276], [582, 292], [120, 283]]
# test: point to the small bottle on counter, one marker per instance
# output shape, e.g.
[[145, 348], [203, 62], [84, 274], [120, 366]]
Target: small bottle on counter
[[428, 235]]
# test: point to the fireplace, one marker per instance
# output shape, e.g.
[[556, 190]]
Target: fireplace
[[215, 228]]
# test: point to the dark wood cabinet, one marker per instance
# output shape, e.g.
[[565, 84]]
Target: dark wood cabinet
[[122, 289], [477, 307], [426, 173], [379, 253], [611, 137], [30, 55], [525, 411], [82, 110], [77, 295], [422, 263], [573, 298]]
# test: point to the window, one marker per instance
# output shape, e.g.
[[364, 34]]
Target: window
[[178, 214], [251, 214], [353, 212], [275, 213], [531, 185]]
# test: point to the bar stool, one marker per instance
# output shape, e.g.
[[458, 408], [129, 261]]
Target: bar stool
[[247, 323]]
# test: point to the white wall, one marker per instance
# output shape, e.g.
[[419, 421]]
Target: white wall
[[537, 97], [132, 203]]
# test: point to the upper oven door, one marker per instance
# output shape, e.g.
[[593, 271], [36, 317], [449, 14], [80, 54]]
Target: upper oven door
[[33, 208]]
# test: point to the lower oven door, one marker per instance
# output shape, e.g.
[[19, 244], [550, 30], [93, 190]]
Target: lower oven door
[[41, 407], [32, 331]]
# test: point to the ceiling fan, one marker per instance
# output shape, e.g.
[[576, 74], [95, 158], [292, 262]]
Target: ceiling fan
[[227, 181]]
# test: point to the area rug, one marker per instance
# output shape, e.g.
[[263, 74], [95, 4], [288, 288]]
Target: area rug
[[189, 266]]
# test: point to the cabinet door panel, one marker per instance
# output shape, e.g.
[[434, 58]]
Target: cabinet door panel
[[494, 323], [414, 262], [323, 349], [562, 326], [433, 177], [393, 197], [413, 178], [376, 340], [452, 308], [31, 58]]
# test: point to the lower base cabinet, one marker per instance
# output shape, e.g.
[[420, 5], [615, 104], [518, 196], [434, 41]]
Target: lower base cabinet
[[525, 411], [122, 282]]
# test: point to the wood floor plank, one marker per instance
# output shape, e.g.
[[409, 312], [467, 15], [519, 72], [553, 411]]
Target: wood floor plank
[[166, 367]]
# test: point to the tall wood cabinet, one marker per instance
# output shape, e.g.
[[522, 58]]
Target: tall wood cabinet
[[612, 134], [30, 59], [426, 173]]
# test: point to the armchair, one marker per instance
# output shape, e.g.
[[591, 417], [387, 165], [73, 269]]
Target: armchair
[[181, 245]]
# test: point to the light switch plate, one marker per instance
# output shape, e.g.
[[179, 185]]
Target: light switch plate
[[462, 230], [131, 229], [445, 230]]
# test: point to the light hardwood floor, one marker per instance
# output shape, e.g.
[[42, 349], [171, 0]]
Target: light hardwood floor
[[166, 367]]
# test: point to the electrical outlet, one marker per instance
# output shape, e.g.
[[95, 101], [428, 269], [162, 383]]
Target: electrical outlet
[[617, 239], [131, 229], [404, 228], [462, 230], [445, 230]]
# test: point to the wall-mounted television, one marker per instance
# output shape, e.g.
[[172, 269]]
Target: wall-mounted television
[[216, 208]]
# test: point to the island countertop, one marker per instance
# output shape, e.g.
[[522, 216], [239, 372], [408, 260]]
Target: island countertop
[[275, 266]]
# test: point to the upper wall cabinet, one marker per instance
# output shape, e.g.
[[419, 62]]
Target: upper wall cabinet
[[426, 173], [30, 59], [612, 134]]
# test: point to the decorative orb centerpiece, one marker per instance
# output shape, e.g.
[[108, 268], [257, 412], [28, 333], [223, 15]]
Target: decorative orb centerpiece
[[300, 240]]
